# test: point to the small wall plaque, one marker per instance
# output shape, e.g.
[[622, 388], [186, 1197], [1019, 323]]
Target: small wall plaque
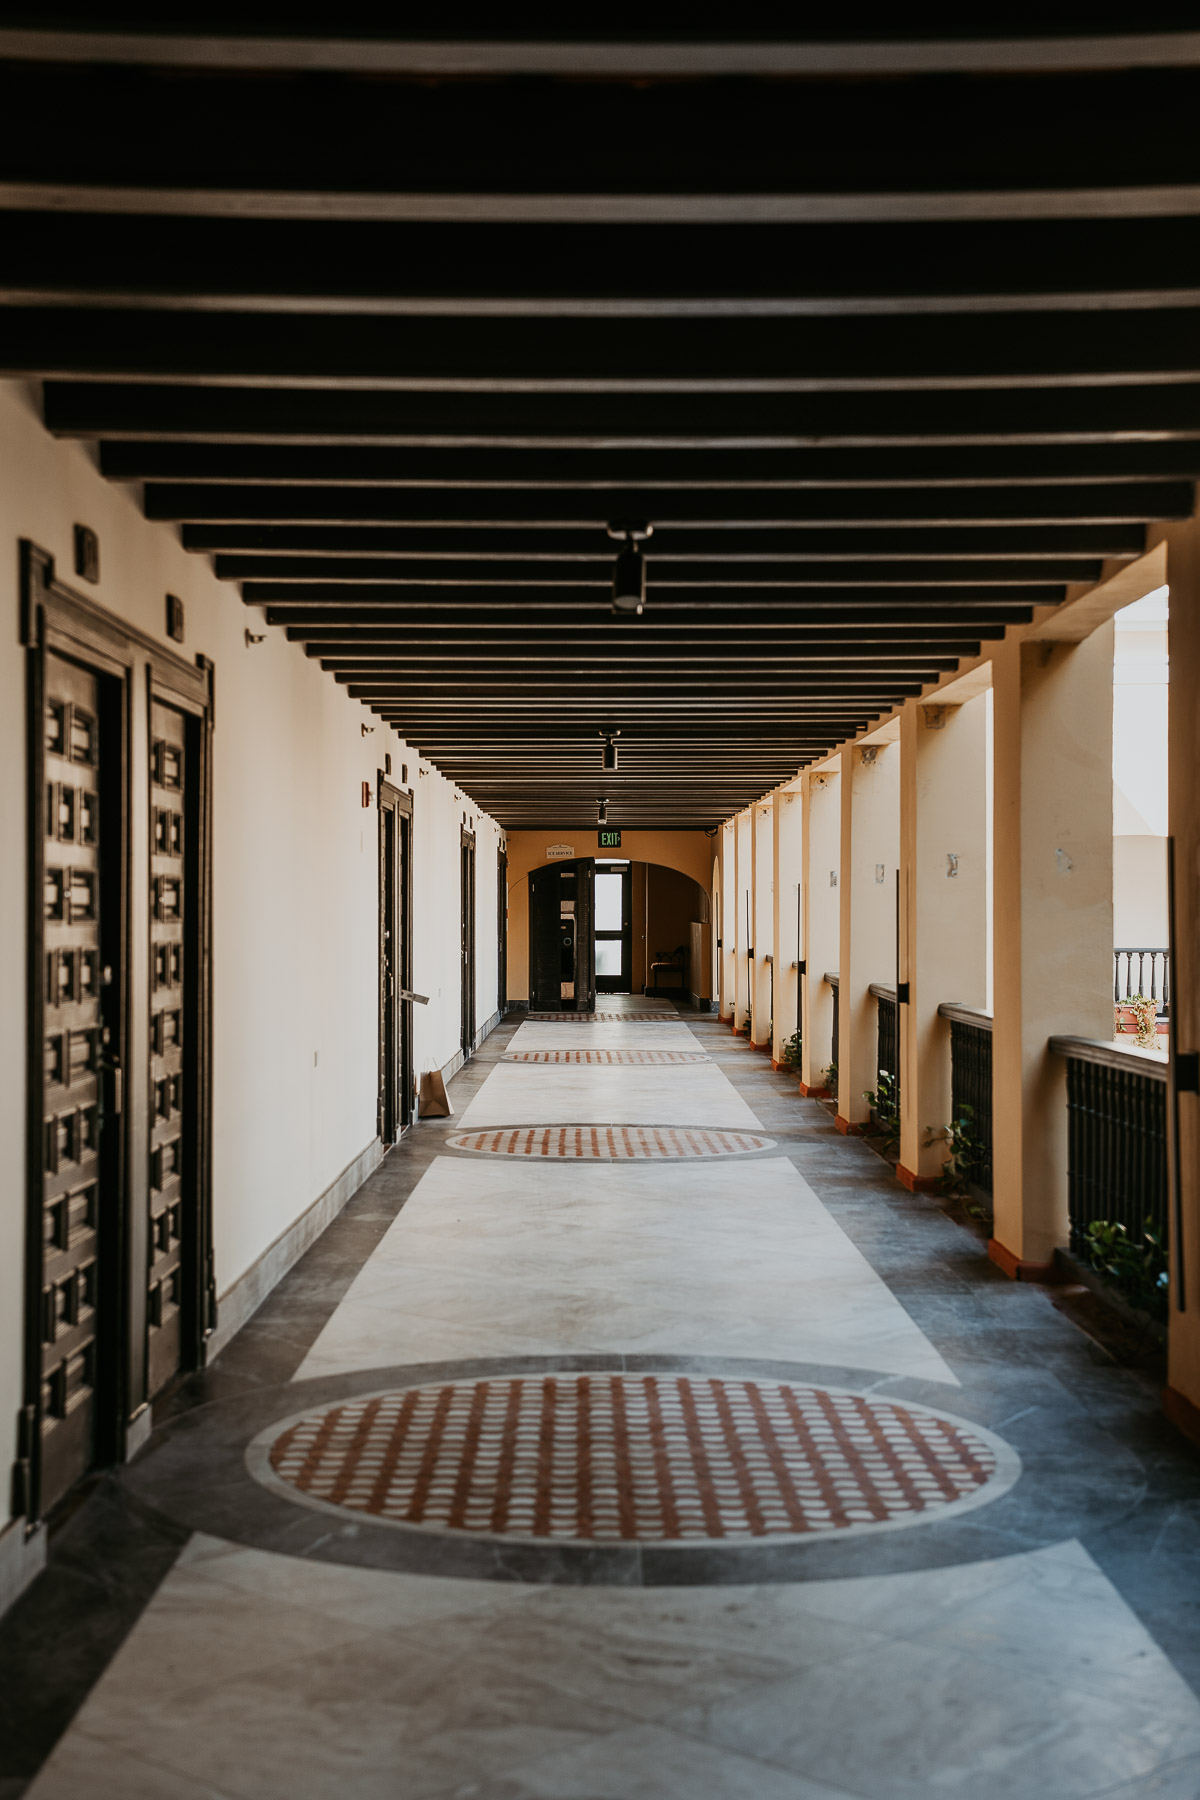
[[175, 618], [553, 851], [87, 553]]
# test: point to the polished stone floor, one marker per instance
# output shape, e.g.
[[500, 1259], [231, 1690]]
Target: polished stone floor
[[217, 1626]]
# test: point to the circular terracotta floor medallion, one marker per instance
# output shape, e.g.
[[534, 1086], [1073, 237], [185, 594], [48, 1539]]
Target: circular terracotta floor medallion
[[607, 1058], [610, 1458], [604, 1018], [610, 1143]]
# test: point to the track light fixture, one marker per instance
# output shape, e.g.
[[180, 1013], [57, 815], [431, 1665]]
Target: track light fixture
[[602, 812], [629, 570], [608, 756]]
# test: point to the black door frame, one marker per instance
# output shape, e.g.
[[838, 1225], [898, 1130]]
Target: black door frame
[[618, 984], [57, 619], [467, 967], [395, 960]]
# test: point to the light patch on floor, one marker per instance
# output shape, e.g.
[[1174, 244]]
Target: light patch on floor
[[260, 1677], [573, 1094], [492, 1257]]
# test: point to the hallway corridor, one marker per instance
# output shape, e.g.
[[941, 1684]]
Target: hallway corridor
[[683, 1457]]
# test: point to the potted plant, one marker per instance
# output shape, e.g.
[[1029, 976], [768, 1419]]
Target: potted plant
[[1138, 1017]]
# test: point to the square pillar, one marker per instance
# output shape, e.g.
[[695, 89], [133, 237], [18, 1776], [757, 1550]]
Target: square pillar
[[762, 983], [725, 921], [1182, 1397], [1052, 872], [743, 915], [821, 831], [943, 911], [786, 933], [870, 853]]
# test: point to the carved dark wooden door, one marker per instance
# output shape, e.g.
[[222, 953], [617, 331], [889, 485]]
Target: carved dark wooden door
[[82, 1095], [167, 1141]]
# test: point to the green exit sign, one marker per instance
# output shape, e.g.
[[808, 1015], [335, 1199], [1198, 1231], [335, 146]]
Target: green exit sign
[[609, 840]]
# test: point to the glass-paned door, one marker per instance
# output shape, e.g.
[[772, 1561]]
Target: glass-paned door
[[614, 928]]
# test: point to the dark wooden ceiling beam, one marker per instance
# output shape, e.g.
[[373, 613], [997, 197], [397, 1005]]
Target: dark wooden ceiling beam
[[719, 591], [628, 355], [767, 612], [433, 648], [641, 46], [678, 468], [701, 150], [737, 269], [376, 520], [260, 415]]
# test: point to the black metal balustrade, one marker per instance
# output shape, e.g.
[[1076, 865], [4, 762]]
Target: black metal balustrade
[[971, 1082], [832, 979], [1146, 972], [887, 1043], [1116, 1138]]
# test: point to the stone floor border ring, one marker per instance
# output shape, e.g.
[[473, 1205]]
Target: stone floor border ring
[[608, 1058], [1038, 1509]]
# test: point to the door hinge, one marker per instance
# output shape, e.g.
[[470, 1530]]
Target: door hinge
[[22, 1472]]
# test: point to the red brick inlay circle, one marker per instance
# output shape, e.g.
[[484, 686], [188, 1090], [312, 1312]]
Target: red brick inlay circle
[[604, 1018], [606, 1056], [609, 1143], [610, 1458]]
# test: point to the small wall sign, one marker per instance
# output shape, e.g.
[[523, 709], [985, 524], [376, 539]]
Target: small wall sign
[[554, 851], [609, 840]]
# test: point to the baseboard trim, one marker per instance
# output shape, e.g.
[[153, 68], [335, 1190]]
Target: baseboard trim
[[1019, 1268], [814, 1092], [917, 1184], [849, 1127], [22, 1559], [459, 1060], [242, 1299], [699, 1002], [766, 1048], [1183, 1413]]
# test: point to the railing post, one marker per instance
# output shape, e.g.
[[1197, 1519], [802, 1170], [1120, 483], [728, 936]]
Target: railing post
[[943, 911], [1052, 865]]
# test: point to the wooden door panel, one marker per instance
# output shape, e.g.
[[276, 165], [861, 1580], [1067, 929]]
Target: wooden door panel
[[167, 1147], [76, 1049]]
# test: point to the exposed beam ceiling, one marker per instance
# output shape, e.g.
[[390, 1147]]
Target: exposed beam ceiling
[[883, 335]]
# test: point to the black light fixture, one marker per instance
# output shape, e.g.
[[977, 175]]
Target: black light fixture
[[608, 756], [602, 812], [629, 570]]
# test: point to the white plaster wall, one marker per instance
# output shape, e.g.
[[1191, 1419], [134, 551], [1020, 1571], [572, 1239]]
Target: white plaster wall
[[295, 876]]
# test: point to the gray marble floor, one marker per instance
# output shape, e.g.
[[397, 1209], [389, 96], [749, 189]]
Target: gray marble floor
[[1037, 1675]]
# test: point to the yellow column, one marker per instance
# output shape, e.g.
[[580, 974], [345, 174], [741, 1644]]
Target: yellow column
[[1182, 1397], [1052, 972], [785, 917], [743, 914], [762, 915], [725, 920], [821, 828], [870, 851], [943, 911]]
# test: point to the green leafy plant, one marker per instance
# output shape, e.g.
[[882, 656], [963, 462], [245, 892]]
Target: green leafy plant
[[831, 1078], [1138, 1270], [968, 1154], [792, 1048], [884, 1101]]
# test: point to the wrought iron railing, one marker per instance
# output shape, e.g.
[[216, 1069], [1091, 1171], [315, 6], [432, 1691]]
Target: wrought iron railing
[[832, 978], [1116, 1138], [1145, 972], [971, 1083], [887, 1044]]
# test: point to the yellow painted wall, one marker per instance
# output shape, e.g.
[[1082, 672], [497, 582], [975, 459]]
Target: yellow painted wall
[[690, 852]]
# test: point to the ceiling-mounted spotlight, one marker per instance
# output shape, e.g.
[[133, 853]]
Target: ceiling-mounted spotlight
[[608, 756], [602, 812], [629, 570]]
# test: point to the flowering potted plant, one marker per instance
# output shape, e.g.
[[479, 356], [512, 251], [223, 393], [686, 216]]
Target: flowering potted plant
[[1138, 1017]]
